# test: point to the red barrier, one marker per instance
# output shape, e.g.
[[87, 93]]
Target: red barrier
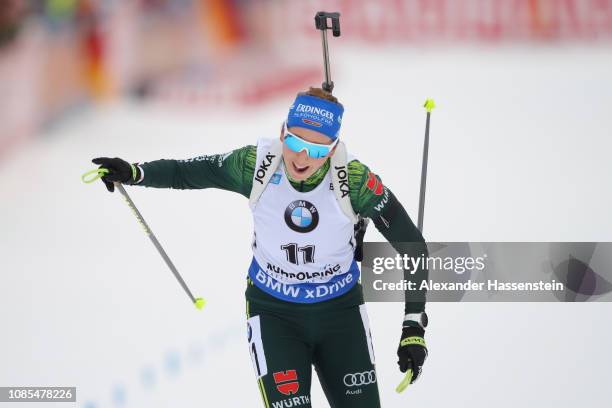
[[444, 20]]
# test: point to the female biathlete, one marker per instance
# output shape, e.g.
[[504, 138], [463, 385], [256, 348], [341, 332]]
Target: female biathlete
[[304, 302]]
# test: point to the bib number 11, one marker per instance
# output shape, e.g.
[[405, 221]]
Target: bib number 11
[[292, 251]]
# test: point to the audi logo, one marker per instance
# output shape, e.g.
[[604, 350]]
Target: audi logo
[[359, 379]]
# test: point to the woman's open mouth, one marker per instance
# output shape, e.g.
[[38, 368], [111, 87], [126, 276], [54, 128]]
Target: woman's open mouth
[[298, 169]]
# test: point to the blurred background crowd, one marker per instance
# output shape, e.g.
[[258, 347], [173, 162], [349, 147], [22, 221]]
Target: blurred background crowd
[[520, 152], [60, 55]]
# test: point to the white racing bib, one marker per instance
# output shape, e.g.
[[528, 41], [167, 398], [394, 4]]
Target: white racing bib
[[303, 247]]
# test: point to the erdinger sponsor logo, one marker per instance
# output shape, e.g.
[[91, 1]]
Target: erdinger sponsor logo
[[264, 166], [342, 174], [301, 216], [315, 110], [302, 276]]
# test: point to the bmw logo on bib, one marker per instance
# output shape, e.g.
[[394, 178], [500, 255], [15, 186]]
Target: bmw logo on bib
[[301, 216]]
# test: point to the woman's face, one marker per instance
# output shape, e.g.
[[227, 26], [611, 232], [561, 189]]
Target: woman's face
[[300, 166]]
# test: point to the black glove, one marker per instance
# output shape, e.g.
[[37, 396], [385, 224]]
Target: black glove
[[412, 351], [118, 170]]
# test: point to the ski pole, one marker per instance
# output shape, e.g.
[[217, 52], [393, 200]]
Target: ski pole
[[429, 106], [321, 23], [100, 172]]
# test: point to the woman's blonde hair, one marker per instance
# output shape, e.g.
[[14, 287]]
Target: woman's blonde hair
[[321, 93]]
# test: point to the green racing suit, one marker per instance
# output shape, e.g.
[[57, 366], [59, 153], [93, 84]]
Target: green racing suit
[[286, 339]]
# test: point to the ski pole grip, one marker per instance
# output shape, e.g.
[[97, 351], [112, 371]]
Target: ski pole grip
[[94, 175], [405, 382], [321, 19]]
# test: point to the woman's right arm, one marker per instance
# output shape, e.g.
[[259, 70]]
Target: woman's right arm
[[231, 171]]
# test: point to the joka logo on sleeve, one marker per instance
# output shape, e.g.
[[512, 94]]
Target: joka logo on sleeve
[[342, 174], [263, 168], [287, 382]]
